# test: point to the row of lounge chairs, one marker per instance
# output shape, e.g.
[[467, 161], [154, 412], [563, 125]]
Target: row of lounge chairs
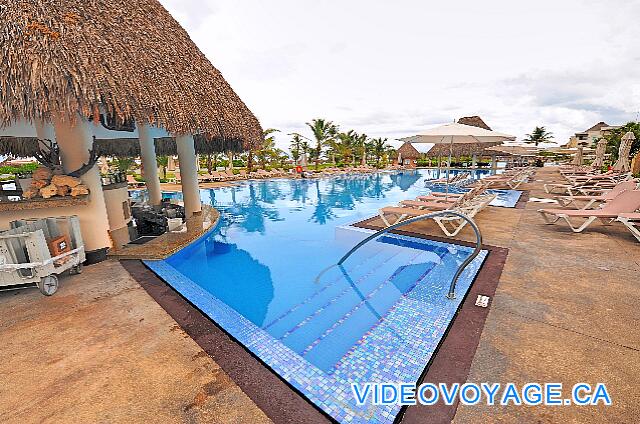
[[228, 175], [581, 182], [455, 180], [608, 203], [340, 171], [469, 203], [509, 180]]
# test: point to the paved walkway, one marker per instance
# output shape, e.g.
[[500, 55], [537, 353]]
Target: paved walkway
[[566, 310], [102, 350]]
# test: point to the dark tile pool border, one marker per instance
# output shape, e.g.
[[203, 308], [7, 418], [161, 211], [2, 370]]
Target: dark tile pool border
[[283, 404], [522, 201], [278, 400]]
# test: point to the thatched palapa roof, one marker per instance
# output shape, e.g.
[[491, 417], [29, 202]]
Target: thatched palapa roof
[[128, 58], [24, 147], [474, 121], [408, 151], [466, 149]]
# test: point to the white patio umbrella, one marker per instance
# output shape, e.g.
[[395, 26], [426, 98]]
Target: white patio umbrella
[[601, 147], [578, 159], [455, 133], [302, 160], [622, 164]]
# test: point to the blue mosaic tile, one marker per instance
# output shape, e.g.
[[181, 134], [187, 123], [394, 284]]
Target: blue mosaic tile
[[396, 349]]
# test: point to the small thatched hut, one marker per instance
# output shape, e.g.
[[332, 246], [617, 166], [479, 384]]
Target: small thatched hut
[[408, 155]]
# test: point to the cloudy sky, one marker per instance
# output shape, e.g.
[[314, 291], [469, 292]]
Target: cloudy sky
[[391, 69]]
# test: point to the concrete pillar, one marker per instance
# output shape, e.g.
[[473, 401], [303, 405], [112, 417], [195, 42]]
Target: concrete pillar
[[474, 161], [188, 174], [149, 164], [75, 142], [45, 131], [230, 157], [494, 164]]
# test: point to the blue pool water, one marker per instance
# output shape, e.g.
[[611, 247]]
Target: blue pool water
[[259, 275]]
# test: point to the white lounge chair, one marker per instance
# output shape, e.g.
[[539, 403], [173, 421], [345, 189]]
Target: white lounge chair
[[626, 202], [409, 208], [632, 222], [604, 196]]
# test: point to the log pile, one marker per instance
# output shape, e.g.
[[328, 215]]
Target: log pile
[[45, 184]]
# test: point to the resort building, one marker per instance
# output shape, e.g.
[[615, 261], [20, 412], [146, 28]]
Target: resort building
[[589, 136]]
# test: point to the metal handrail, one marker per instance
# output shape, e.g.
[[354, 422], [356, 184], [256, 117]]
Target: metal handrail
[[452, 287]]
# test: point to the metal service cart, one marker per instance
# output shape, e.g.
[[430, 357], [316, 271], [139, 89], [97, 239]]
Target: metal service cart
[[36, 251]]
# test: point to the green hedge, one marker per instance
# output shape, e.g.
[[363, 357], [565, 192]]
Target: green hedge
[[27, 168]]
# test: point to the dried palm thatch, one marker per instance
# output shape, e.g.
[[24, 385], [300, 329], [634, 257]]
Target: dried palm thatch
[[512, 151], [25, 147], [407, 151], [18, 147], [474, 121], [129, 58], [462, 149]]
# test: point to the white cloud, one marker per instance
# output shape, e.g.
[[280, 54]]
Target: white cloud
[[393, 68]]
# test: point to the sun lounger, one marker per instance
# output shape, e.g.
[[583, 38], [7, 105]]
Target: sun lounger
[[454, 179], [604, 196], [469, 198], [509, 182], [220, 176], [132, 183], [626, 202], [608, 181], [632, 222], [261, 173], [450, 225], [436, 195]]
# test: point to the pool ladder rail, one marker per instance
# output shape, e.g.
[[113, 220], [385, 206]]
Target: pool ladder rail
[[452, 288]]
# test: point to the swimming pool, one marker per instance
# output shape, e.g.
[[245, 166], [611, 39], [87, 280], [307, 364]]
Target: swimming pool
[[258, 275]]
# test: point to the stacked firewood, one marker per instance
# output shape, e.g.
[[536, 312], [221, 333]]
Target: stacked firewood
[[45, 184]]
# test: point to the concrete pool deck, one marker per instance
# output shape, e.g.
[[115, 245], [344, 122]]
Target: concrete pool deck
[[102, 350], [565, 310]]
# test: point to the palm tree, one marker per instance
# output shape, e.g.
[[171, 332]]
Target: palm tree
[[539, 135], [296, 146], [163, 162], [614, 137], [360, 143], [378, 148], [322, 131], [123, 164], [345, 145], [268, 145]]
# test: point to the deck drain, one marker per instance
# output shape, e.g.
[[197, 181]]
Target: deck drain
[[482, 301]]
